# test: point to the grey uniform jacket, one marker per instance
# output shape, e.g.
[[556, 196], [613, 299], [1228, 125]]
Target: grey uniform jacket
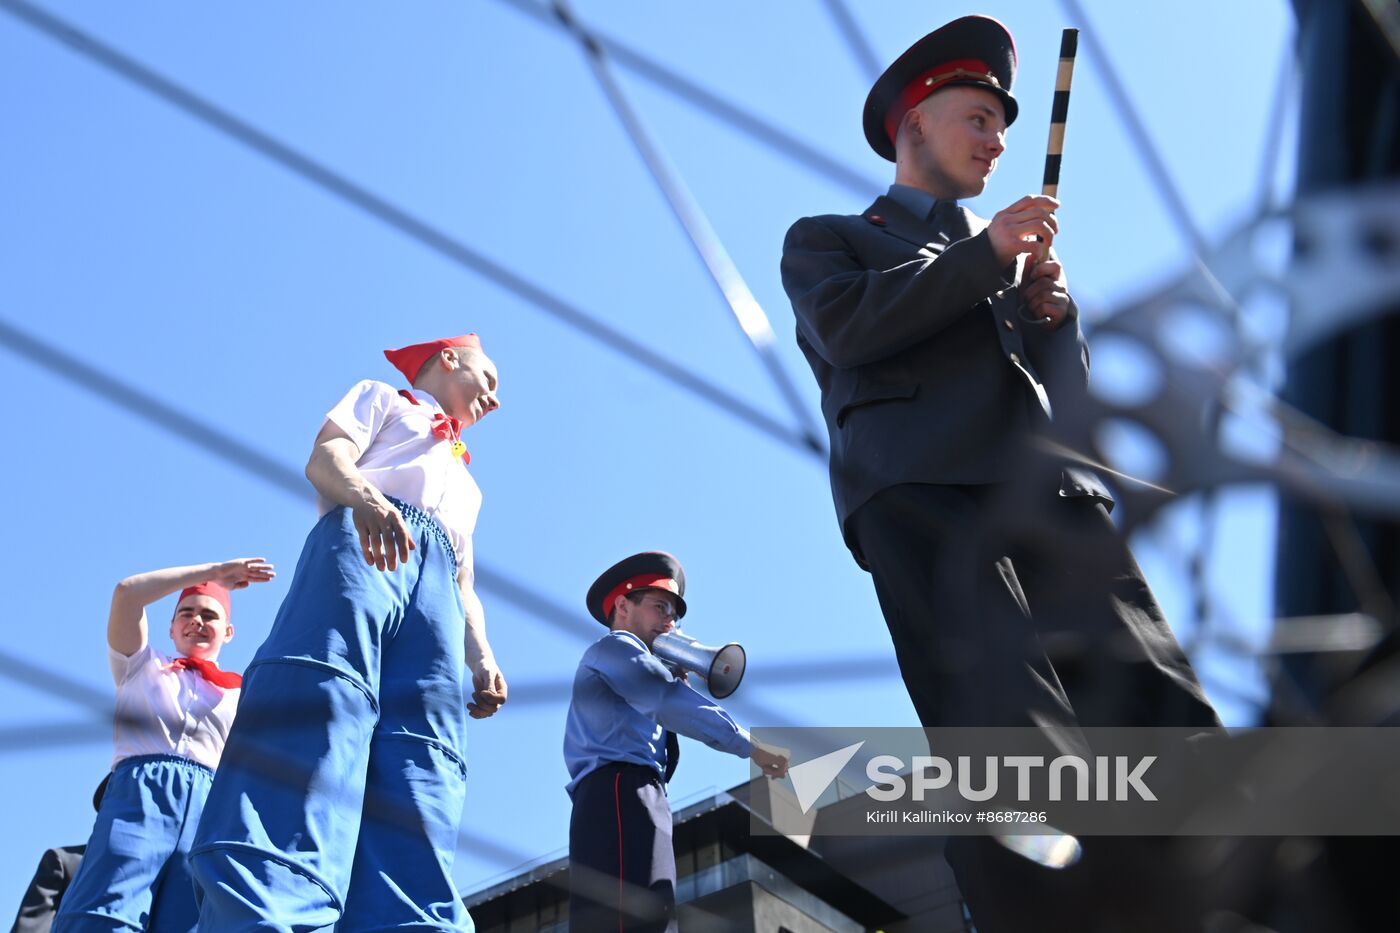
[[928, 374]]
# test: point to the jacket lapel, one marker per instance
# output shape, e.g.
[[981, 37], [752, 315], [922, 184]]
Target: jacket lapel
[[898, 221], [895, 219]]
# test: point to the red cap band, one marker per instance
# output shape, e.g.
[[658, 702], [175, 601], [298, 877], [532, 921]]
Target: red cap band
[[964, 69], [408, 360], [643, 582], [213, 591]]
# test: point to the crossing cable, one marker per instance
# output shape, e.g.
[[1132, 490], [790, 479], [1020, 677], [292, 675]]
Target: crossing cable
[[199, 433], [262, 467], [1156, 167], [415, 228], [1175, 203], [57, 683], [855, 38], [203, 435], [209, 440], [181, 98], [1176, 207], [185, 100], [1138, 135], [148, 408], [1206, 606], [1161, 177], [733, 289], [753, 126], [1284, 91], [97, 727], [205, 429], [545, 691]]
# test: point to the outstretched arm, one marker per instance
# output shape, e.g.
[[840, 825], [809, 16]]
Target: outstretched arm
[[637, 676], [771, 760], [126, 623]]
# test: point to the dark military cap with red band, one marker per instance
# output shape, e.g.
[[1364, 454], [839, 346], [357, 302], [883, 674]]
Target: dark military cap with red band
[[975, 51], [651, 570]]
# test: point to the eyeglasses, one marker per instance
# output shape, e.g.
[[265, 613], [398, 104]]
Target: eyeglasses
[[664, 607]]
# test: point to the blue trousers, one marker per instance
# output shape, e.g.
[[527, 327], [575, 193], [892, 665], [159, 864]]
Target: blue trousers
[[134, 875], [339, 794]]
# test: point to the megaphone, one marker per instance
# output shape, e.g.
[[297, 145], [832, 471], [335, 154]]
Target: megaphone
[[721, 668]]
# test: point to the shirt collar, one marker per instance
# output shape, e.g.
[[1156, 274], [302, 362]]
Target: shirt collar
[[632, 635], [915, 200]]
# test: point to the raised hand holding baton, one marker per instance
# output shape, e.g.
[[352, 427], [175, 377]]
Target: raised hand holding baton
[[1054, 147]]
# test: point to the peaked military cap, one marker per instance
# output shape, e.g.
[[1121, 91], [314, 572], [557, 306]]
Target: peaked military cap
[[650, 570], [974, 51]]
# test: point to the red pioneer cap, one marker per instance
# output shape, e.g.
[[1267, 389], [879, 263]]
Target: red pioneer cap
[[210, 589], [408, 360]]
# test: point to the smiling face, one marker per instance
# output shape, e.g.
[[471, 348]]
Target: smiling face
[[200, 628], [948, 145], [646, 614]]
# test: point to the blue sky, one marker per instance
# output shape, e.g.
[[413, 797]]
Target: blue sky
[[156, 249]]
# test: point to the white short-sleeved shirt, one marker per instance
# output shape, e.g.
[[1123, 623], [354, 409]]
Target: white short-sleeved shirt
[[401, 457], [167, 711]]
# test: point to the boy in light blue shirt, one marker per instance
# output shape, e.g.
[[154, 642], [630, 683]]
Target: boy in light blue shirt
[[620, 749]]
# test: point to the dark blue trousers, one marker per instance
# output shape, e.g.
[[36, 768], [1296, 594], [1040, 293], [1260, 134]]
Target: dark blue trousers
[[622, 868]]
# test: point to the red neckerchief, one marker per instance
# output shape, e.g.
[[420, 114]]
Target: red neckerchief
[[209, 671], [445, 427]]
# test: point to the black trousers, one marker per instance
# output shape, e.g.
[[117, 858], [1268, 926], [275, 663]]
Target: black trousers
[[45, 891], [1014, 606], [622, 868]]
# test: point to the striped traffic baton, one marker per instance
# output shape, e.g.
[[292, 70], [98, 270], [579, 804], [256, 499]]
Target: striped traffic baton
[[1059, 111]]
